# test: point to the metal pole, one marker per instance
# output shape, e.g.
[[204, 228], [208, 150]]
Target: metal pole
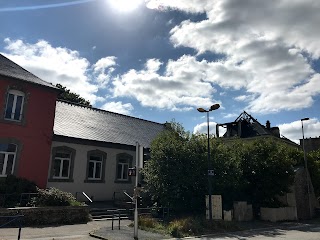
[[135, 195], [306, 169], [209, 168]]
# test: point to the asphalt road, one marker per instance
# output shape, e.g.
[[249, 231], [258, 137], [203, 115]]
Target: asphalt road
[[294, 232]]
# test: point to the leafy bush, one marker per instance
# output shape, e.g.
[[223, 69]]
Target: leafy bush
[[11, 189], [185, 226], [53, 197]]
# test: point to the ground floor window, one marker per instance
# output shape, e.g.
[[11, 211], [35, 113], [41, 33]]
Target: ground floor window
[[124, 161], [96, 165], [62, 164], [7, 159]]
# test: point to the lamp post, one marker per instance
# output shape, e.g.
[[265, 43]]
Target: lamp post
[[210, 171], [306, 165]]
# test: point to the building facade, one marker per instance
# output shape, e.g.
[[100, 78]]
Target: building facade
[[93, 149], [27, 109]]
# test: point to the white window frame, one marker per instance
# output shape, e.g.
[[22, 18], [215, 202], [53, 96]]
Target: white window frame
[[6, 155], [62, 160], [15, 94], [122, 164], [95, 163]]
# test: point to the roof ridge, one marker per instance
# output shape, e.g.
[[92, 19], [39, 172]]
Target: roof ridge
[[104, 111]]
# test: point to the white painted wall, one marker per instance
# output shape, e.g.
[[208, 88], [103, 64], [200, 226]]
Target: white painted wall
[[99, 191]]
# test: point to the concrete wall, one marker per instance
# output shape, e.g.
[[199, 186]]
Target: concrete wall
[[278, 214], [99, 191], [242, 211]]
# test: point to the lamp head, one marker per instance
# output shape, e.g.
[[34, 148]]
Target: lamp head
[[214, 107], [201, 110], [304, 119]]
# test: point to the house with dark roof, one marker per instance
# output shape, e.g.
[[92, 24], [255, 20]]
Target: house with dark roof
[[64, 145], [93, 149], [246, 127], [27, 107]]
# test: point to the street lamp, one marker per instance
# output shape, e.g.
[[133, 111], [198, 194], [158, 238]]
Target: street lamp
[[306, 165], [210, 171]]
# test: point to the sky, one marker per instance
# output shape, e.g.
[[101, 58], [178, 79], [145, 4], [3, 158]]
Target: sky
[[160, 60]]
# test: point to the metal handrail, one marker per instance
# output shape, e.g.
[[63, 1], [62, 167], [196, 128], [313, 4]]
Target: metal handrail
[[13, 218], [84, 194]]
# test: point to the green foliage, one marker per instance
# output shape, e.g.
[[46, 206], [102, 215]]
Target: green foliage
[[172, 173], [185, 226], [313, 159], [267, 170], [255, 171], [71, 97], [53, 197], [11, 188]]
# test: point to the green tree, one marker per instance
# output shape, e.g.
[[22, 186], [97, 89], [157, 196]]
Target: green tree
[[256, 171], [71, 97], [267, 171], [175, 174], [313, 159]]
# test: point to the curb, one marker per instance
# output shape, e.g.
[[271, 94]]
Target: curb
[[92, 234]]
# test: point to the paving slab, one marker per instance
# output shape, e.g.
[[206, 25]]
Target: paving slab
[[126, 233]]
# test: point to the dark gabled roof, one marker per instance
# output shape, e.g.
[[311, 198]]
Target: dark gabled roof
[[82, 122], [245, 126], [10, 69]]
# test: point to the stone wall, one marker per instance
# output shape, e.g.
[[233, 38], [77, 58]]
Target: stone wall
[[34, 216]]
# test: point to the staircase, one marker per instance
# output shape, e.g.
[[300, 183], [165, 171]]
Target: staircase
[[102, 214]]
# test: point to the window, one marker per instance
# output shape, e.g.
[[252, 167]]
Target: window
[[62, 164], [7, 159], [124, 161], [14, 105], [95, 166]]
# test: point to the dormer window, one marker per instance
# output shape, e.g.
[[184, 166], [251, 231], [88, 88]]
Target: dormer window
[[14, 105]]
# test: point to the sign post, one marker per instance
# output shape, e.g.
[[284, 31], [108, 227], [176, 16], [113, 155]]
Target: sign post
[[139, 164]]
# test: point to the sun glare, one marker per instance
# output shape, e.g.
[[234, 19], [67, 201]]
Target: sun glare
[[125, 5]]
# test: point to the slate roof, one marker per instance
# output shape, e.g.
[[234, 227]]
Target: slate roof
[[81, 122], [10, 69]]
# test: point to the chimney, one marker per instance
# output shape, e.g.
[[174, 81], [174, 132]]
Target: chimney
[[268, 124]]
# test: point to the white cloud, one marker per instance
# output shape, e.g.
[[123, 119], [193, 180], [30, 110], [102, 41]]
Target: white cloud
[[103, 70], [118, 107], [293, 130], [231, 115], [61, 65], [268, 47], [181, 88], [203, 128]]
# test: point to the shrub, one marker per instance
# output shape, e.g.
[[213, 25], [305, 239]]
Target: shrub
[[53, 197], [185, 226], [11, 189]]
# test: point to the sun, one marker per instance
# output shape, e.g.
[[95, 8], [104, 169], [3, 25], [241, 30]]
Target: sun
[[124, 5]]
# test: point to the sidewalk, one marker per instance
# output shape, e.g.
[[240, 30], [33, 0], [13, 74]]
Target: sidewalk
[[126, 233], [64, 232], [103, 230]]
